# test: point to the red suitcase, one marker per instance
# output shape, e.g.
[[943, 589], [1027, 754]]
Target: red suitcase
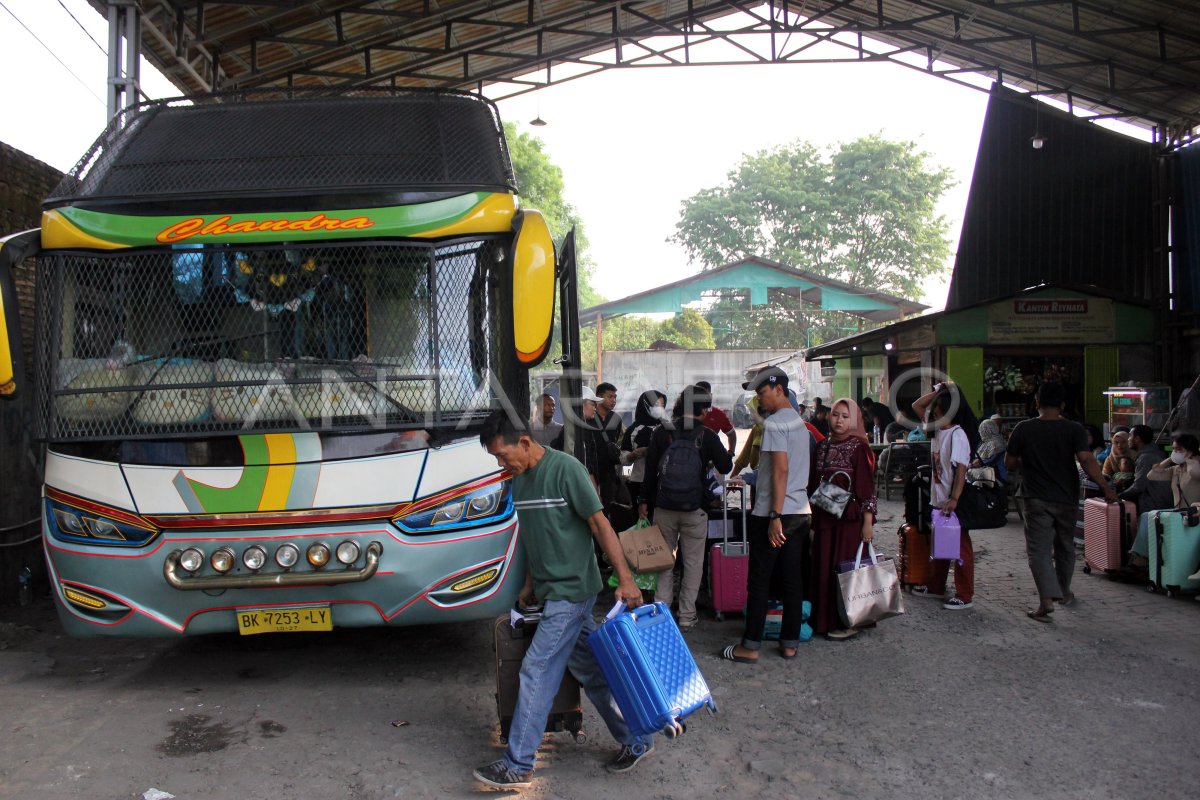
[[729, 564], [916, 565], [1108, 531]]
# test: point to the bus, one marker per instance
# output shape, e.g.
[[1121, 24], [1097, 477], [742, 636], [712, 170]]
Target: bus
[[267, 328]]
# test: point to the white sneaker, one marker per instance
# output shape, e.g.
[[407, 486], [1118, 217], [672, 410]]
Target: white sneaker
[[1195, 576]]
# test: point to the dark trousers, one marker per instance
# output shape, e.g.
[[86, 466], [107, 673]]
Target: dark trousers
[[763, 559]]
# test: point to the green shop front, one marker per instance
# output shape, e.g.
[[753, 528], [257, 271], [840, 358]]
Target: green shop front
[[1000, 351]]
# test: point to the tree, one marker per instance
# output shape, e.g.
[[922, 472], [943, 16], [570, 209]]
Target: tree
[[864, 215], [688, 329], [630, 333]]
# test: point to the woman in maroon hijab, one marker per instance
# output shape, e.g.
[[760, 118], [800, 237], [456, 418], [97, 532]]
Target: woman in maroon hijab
[[836, 539]]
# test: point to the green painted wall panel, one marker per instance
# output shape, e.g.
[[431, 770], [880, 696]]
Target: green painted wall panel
[[964, 365], [1101, 369], [963, 327]]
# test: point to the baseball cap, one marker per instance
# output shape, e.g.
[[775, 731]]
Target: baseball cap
[[588, 394], [773, 376]]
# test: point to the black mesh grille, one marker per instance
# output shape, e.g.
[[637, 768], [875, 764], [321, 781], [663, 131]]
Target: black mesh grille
[[331, 338], [257, 144]]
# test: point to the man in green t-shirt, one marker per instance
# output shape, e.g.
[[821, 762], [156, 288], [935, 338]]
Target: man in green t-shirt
[[559, 514]]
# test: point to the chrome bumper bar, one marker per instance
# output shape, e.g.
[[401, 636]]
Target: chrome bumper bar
[[171, 572]]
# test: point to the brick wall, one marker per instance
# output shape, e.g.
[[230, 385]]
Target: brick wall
[[24, 183]]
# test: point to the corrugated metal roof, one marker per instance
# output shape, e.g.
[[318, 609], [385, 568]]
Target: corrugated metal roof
[[1137, 59], [1079, 210], [758, 275]]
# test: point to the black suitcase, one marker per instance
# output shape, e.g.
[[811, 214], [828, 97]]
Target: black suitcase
[[510, 643]]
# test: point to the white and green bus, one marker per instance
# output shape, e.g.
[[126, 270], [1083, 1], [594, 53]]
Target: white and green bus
[[267, 329]]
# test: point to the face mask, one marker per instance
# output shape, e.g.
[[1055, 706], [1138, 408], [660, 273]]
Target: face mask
[[658, 412], [1178, 456]]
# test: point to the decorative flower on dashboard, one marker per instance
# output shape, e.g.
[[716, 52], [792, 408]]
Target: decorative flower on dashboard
[[276, 280]]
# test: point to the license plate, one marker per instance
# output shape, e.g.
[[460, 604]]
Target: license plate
[[284, 620]]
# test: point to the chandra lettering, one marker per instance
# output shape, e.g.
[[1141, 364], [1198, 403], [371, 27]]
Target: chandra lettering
[[199, 226]]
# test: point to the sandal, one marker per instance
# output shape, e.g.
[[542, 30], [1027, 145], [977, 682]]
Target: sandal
[[783, 652], [841, 635], [728, 655], [1066, 600], [1040, 615]]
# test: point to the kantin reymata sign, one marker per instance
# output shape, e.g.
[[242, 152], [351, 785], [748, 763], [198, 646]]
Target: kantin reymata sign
[[1052, 320]]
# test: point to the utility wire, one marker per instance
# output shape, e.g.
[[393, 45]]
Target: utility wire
[[53, 54], [80, 24]]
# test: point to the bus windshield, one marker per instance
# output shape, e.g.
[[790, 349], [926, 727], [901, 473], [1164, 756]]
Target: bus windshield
[[199, 339]]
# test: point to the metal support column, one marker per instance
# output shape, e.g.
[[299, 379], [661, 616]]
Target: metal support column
[[124, 38]]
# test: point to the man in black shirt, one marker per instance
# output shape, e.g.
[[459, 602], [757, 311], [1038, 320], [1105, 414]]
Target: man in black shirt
[[1045, 449]]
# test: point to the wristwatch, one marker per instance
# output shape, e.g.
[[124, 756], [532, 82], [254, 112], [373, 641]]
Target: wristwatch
[[772, 515]]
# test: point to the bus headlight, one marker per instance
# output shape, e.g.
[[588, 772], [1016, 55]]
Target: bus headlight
[[485, 504], [347, 552], [222, 560], [103, 529], [69, 523], [254, 557], [490, 502], [451, 512], [191, 559], [83, 521], [318, 555], [286, 555]]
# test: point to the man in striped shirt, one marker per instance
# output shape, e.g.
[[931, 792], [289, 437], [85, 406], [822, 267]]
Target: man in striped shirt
[[560, 514]]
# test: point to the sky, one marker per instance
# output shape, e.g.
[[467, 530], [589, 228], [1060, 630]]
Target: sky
[[633, 144]]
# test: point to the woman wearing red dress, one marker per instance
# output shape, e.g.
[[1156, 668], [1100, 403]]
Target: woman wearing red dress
[[837, 539]]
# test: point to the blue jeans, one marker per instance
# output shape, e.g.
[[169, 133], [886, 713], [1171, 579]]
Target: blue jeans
[[560, 643]]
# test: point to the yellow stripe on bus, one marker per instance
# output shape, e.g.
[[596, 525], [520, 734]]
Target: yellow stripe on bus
[[492, 215], [58, 232], [281, 456]]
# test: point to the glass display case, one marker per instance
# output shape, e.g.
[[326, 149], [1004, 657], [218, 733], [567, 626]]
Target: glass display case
[[1138, 405]]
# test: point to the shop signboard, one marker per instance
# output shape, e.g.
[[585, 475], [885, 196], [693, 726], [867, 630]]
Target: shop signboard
[[920, 338], [1052, 320]]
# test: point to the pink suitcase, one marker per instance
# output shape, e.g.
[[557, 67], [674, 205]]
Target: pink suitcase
[[947, 537], [1108, 531], [729, 564]]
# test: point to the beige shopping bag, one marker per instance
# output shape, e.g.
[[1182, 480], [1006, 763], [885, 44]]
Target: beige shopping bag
[[646, 550]]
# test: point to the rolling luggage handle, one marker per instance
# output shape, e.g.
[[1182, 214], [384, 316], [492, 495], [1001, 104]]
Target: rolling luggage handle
[[744, 545]]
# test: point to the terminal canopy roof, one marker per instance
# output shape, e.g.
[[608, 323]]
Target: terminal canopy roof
[[1137, 60], [759, 276]]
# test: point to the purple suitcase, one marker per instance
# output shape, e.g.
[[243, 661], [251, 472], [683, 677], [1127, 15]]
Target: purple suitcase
[[947, 537], [729, 564]]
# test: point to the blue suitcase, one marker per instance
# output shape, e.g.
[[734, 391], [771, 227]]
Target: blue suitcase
[[1174, 545], [650, 669]]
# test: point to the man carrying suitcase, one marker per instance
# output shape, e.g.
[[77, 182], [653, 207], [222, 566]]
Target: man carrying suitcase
[[560, 515], [1045, 449]]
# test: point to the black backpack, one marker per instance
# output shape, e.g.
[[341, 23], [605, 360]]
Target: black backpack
[[681, 474]]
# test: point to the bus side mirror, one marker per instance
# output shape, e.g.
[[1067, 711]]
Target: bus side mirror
[[533, 276], [13, 250]]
